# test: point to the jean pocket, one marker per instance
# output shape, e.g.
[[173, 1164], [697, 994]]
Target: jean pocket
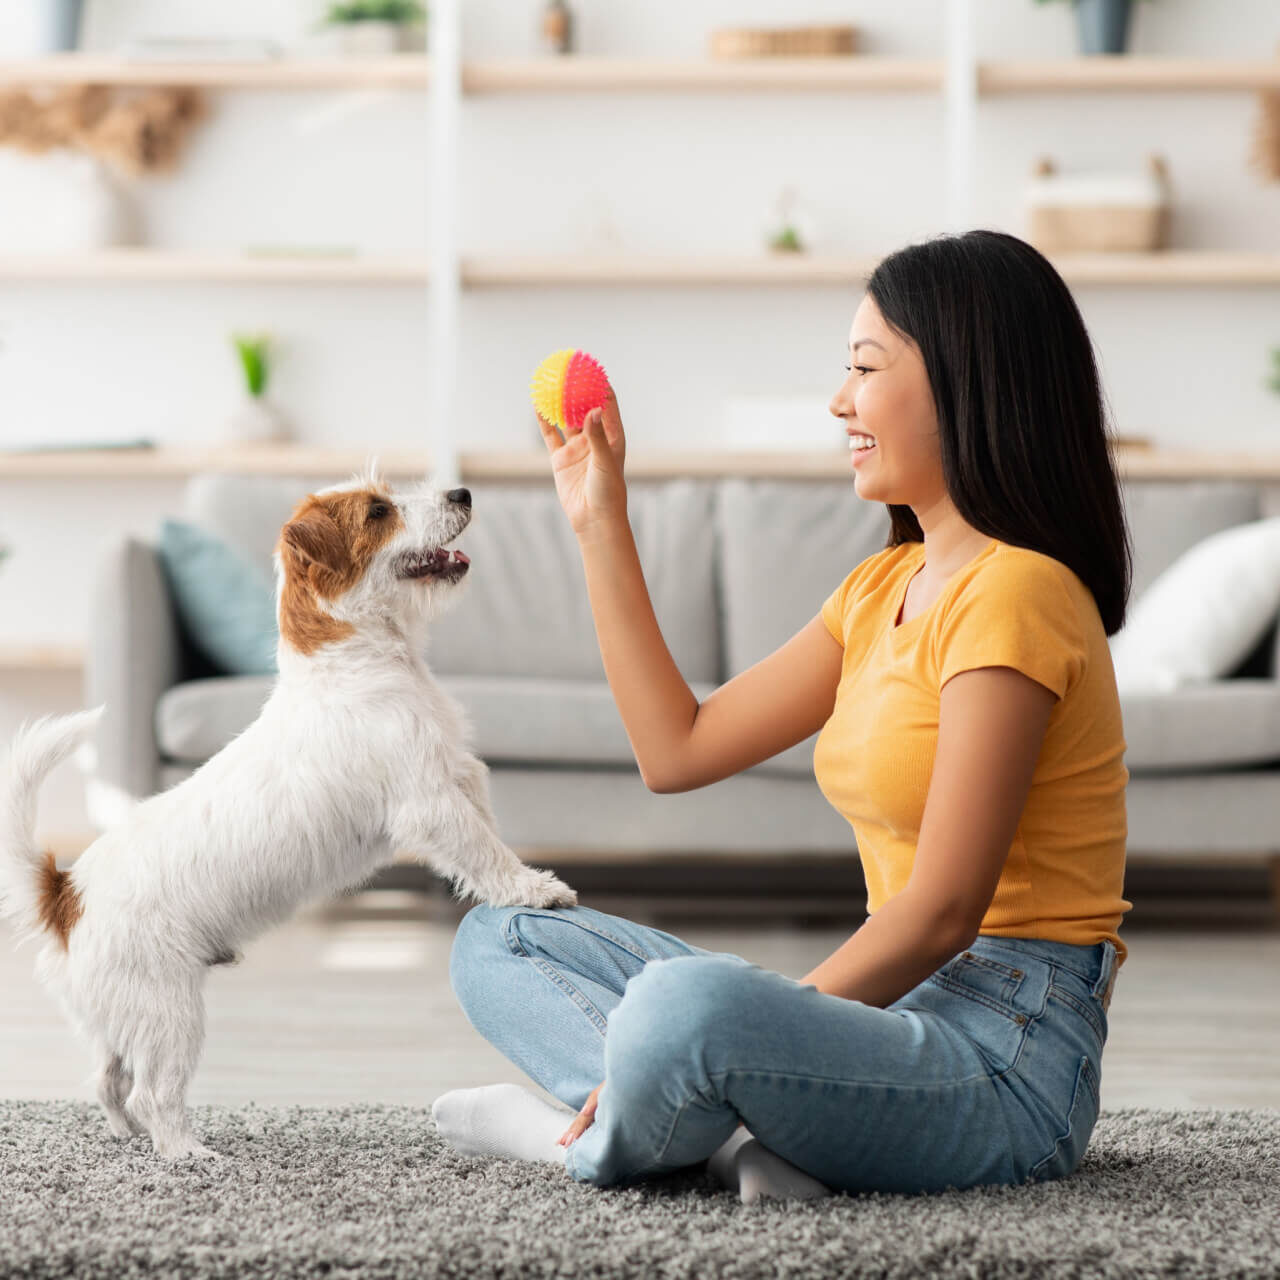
[[1069, 1147], [1086, 1006], [998, 1002]]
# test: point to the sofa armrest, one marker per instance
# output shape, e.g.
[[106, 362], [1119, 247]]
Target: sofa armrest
[[135, 653]]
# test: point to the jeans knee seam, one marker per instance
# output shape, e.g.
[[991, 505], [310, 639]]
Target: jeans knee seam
[[514, 943], [557, 979]]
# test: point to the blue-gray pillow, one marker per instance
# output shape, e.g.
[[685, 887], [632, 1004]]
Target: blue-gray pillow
[[227, 604]]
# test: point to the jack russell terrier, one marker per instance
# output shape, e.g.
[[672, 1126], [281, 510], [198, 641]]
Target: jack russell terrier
[[356, 755]]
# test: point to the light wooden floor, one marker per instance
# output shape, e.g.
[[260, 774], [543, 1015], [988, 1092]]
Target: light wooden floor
[[352, 1003]]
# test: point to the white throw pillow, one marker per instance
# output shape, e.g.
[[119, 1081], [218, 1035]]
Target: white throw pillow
[[1204, 614]]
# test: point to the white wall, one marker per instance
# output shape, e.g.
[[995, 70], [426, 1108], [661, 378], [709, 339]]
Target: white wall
[[675, 173]]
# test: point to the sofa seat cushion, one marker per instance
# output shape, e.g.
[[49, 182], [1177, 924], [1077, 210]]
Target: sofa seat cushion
[[197, 718], [1221, 724], [512, 719]]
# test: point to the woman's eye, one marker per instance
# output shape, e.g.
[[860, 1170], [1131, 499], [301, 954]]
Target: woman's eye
[[861, 368]]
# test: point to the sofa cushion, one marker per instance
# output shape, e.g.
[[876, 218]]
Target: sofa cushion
[[1224, 724], [512, 719], [1168, 518], [226, 603], [523, 610], [785, 546], [1204, 614], [246, 512], [197, 718]]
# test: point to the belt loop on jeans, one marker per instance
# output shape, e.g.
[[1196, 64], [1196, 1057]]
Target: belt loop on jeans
[[1107, 974]]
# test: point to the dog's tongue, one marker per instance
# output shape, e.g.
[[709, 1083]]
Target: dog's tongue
[[459, 557]]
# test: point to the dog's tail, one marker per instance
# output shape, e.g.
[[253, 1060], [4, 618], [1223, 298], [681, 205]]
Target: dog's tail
[[39, 747]]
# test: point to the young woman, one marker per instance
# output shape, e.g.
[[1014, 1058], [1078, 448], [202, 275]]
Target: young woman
[[971, 734]]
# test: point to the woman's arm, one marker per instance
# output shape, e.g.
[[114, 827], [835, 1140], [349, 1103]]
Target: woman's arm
[[892, 953], [679, 744]]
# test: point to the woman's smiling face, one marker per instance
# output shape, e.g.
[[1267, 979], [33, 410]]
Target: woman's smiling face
[[887, 396]]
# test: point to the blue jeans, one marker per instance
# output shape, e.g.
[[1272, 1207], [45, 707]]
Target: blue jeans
[[987, 1072]]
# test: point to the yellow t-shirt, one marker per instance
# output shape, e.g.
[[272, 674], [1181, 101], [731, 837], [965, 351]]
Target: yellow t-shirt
[[1009, 607]]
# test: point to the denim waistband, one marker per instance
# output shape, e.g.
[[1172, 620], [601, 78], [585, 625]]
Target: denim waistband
[[1093, 963]]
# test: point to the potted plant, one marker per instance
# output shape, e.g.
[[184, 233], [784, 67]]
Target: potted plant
[[789, 230], [379, 26], [257, 421], [1103, 24]]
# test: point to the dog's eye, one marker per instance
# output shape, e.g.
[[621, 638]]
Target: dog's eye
[[378, 510]]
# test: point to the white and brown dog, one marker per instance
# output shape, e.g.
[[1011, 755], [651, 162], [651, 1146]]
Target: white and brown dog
[[356, 755]]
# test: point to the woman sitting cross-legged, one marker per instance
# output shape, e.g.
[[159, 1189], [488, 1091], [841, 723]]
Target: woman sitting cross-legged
[[971, 735]]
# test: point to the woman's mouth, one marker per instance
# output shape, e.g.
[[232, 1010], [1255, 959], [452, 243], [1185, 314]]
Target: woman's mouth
[[860, 447]]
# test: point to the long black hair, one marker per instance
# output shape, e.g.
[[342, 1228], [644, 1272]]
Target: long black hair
[[1027, 457]]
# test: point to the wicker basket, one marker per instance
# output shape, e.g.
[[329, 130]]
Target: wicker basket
[[784, 42], [1133, 219]]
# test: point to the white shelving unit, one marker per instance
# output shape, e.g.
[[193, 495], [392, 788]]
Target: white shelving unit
[[960, 76]]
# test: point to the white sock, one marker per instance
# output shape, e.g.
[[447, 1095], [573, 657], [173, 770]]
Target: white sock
[[502, 1120], [744, 1165]]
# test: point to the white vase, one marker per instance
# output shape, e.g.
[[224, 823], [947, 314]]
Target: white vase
[[256, 421], [373, 37], [62, 201]]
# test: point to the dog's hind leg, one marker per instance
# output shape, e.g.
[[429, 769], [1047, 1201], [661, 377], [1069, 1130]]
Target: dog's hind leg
[[167, 1037], [114, 1080]]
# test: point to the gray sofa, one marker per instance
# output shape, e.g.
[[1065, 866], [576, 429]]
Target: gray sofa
[[734, 567]]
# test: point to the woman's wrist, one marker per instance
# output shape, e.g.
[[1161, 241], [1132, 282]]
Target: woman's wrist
[[606, 529]]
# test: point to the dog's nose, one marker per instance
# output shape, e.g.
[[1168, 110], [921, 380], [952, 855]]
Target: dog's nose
[[461, 496]]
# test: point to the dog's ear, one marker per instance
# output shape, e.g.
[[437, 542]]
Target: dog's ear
[[316, 541]]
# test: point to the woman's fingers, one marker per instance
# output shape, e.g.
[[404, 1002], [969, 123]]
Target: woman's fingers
[[593, 429], [549, 433], [584, 1119], [612, 419]]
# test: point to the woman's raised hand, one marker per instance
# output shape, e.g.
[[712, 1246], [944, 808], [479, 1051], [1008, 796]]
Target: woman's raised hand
[[587, 468]]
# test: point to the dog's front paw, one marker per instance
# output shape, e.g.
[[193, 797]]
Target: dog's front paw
[[537, 889]]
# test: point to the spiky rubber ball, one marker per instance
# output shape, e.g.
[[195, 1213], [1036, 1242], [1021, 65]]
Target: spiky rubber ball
[[566, 386]]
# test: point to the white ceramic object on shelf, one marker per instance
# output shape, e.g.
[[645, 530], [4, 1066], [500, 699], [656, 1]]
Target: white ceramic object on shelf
[[62, 201], [256, 421], [378, 38]]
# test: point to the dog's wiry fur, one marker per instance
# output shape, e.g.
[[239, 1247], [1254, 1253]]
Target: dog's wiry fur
[[356, 754]]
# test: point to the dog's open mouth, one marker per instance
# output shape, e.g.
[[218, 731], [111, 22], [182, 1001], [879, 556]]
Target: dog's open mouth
[[440, 563]]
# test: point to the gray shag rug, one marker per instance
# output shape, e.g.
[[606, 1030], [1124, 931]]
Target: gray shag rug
[[372, 1190]]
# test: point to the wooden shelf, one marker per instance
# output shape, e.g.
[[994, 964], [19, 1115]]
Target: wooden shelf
[[1162, 267], [643, 75], [782, 268], [577, 73], [1108, 72], [397, 71], [532, 464], [163, 266], [177, 463], [51, 657]]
